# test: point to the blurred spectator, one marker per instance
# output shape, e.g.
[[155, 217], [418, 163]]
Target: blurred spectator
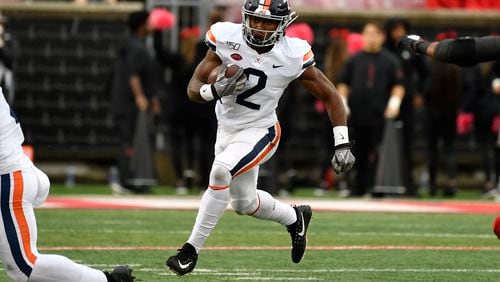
[[192, 136], [8, 54], [479, 108], [483, 104], [415, 74], [135, 88], [336, 53], [371, 83], [442, 103]]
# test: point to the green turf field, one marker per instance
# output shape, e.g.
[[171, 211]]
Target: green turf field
[[161, 229]]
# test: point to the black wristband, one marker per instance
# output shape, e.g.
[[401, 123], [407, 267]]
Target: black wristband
[[343, 145], [214, 92]]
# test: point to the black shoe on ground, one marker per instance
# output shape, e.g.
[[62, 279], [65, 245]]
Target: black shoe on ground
[[121, 273], [184, 261], [298, 231]]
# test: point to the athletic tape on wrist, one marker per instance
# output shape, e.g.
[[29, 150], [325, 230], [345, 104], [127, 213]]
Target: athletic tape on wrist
[[206, 92], [340, 135]]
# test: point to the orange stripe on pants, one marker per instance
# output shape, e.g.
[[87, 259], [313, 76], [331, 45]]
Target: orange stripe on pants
[[213, 187], [17, 205], [264, 152]]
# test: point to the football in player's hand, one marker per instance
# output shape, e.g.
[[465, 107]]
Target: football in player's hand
[[231, 70], [496, 227]]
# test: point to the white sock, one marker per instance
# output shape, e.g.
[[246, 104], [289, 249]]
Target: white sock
[[271, 209], [213, 204], [54, 268]]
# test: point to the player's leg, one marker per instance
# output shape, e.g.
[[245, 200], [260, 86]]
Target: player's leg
[[213, 203], [247, 200], [236, 154], [19, 234], [232, 157], [212, 206]]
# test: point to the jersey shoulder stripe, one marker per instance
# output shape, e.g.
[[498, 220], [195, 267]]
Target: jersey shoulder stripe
[[210, 40], [221, 32], [308, 60]]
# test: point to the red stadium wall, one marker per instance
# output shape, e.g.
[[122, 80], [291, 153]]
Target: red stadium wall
[[464, 4]]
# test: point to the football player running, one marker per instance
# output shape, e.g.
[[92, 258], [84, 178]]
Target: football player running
[[248, 132], [23, 187]]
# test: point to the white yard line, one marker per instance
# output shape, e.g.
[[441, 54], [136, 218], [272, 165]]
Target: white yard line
[[275, 248], [412, 234]]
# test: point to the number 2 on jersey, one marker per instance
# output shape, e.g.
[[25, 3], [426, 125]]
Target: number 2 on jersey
[[261, 84]]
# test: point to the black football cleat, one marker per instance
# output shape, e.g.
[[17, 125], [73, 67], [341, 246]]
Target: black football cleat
[[298, 231], [121, 273], [184, 261]]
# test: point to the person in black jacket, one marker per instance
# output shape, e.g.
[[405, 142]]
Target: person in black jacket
[[371, 83], [442, 103], [135, 87], [415, 75], [483, 102]]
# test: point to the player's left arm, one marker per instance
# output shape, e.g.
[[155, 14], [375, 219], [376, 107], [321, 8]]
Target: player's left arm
[[319, 86]]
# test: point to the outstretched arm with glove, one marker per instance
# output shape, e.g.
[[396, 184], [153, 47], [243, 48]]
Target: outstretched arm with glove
[[465, 51]]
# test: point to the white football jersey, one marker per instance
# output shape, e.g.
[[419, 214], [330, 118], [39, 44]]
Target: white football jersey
[[11, 139], [268, 75]]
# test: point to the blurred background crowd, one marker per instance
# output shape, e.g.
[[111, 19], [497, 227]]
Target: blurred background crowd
[[100, 88]]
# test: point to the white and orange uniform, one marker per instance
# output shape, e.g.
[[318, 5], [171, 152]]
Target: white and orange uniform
[[22, 187], [249, 131]]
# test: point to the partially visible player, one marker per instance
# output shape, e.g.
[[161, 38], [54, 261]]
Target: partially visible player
[[466, 51], [249, 132], [23, 187]]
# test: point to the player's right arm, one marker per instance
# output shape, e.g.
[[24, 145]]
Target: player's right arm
[[200, 76]]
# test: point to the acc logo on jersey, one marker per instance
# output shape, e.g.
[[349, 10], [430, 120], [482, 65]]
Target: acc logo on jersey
[[233, 45], [236, 57]]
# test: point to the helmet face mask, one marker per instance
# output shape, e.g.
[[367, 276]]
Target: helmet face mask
[[274, 10]]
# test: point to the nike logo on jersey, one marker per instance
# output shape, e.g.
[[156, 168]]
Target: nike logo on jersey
[[184, 266], [302, 231], [277, 66]]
